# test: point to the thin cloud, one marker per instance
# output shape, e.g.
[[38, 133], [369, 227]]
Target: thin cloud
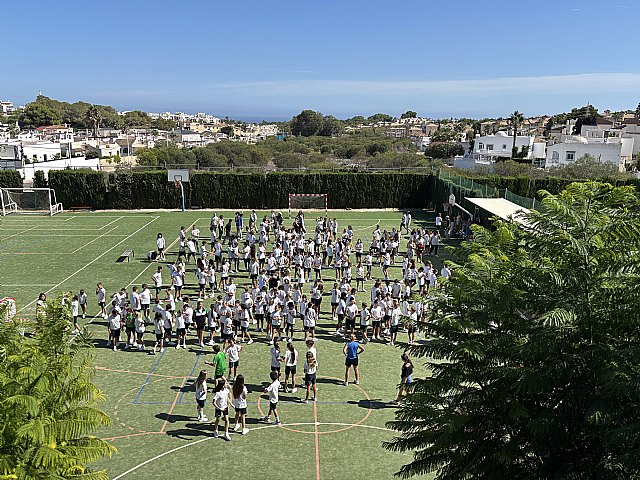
[[555, 84]]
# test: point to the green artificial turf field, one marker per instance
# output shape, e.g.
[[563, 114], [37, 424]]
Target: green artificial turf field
[[151, 398]]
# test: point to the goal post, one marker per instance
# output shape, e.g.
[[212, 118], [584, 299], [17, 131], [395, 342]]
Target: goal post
[[29, 200], [316, 201]]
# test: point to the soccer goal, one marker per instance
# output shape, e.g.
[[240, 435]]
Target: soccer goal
[[29, 200], [300, 201]]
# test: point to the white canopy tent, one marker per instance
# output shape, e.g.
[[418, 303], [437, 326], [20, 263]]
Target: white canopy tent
[[502, 208]]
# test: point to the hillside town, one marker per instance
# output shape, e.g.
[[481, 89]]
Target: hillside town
[[543, 141]]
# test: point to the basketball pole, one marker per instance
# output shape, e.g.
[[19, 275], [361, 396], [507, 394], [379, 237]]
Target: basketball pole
[[182, 195]]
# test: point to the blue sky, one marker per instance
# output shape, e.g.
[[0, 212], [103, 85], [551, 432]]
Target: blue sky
[[257, 59]]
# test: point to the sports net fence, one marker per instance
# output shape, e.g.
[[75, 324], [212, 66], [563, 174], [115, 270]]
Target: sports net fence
[[29, 200]]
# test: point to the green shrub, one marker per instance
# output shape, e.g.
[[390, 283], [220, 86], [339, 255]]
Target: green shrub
[[10, 179]]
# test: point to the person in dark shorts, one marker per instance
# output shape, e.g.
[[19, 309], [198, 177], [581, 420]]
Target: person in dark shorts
[[351, 351]]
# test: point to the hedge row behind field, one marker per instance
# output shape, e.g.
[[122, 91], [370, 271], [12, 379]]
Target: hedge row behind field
[[230, 190], [10, 179]]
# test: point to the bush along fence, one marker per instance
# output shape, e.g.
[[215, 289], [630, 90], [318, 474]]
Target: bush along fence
[[10, 179], [147, 189]]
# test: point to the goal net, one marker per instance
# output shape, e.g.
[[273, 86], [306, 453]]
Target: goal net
[[301, 201], [7, 308], [29, 200]]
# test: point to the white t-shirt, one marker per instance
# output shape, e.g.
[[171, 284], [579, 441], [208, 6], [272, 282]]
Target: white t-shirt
[[157, 279], [201, 391], [272, 390], [75, 305], [241, 401], [145, 297], [275, 357], [114, 322], [221, 399], [233, 352], [160, 243], [291, 359]]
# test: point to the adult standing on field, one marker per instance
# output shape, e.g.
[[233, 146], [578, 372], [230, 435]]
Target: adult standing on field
[[351, 351]]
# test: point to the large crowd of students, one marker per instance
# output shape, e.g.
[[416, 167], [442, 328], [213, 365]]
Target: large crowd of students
[[293, 271]]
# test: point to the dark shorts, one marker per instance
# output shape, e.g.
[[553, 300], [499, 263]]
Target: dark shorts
[[259, 316], [158, 290], [333, 304], [272, 406], [200, 403], [168, 332], [363, 327], [226, 336], [127, 329], [253, 277], [241, 411], [218, 375], [394, 328], [375, 323], [145, 306], [101, 304], [290, 370], [275, 369], [159, 336], [310, 379], [350, 323], [200, 324], [234, 364], [309, 329], [351, 362], [115, 333], [220, 413], [181, 331]]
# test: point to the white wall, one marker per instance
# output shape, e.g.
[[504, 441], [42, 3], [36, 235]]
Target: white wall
[[77, 162], [604, 152], [502, 144]]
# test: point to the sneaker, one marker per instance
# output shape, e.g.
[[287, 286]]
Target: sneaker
[[210, 343], [286, 389], [115, 349], [155, 349], [265, 418], [202, 420], [244, 431], [305, 401], [357, 382], [294, 390], [315, 400], [177, 347], [162, 350], [141, 347], [126, 347], [226, 437], [201, 345], [215, 434], [277, 422], [184, 345], [346, 384], [249, 342], [236, 427]]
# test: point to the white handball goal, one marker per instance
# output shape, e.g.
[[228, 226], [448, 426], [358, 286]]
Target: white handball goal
[[301, 201], [7, 308], [29, 200]]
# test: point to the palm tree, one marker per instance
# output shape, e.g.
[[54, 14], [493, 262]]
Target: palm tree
[[516, 119], [49, 403]]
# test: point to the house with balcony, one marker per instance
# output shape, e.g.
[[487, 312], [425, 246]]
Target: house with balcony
[[612, 149]]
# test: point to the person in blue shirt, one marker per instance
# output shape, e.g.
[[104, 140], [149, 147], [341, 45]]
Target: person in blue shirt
[[351, 350]]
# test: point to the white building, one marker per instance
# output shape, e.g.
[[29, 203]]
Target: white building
[[6, 106], [614, 150], [489, 148]]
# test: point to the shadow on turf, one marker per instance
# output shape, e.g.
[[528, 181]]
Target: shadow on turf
[[192, 430]]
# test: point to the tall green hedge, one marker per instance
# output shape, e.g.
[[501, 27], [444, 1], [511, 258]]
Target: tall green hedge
[[237, 190], [10, 179]]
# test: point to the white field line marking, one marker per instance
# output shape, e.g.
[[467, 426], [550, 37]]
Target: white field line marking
[[365, 228], [73, 235], [93, 261], [61, 253], [105, 226], [70, 218], [19, 233], [191, 444], [27, 285], [166, 250]]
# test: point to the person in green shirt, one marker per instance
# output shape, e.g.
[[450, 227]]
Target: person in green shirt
[[219, 363], [130, 327]]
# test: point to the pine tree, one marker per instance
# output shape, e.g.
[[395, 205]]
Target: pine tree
[[48, 402], [534, 349]]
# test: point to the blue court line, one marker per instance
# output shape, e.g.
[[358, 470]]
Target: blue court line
[[179, 402], [148, 377]]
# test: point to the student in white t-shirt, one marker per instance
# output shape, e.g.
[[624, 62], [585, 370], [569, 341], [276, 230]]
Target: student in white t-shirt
[[101, 293], [221, 400], [239, 401], [201, 395], [272, 390], [161, 244], [290, 367], [75, 310], [310, 369], [82, 301], [115, 324], [233, 354]]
